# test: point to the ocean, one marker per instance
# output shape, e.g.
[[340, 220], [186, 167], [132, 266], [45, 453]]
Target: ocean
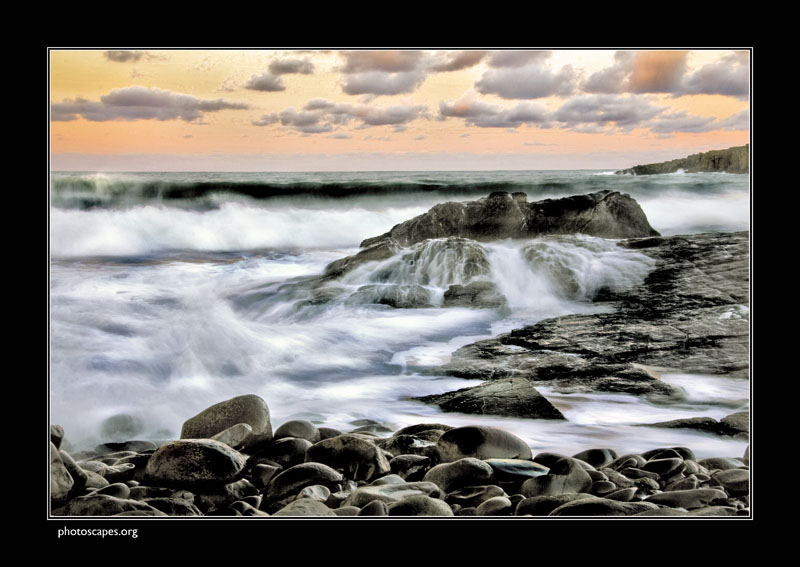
[[170, 292]]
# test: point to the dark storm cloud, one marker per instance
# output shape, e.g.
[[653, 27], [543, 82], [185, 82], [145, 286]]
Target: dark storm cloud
[[139, 103], [266, 82]]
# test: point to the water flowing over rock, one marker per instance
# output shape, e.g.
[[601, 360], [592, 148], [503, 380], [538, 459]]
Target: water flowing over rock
[[691, 313], [732, 160]]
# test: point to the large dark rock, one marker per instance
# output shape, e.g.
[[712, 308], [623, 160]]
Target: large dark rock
[[357, 457], [249, 409], [477, 294], [515, 397], [481, 442], [192, 462], [606, 214], [732, 160]]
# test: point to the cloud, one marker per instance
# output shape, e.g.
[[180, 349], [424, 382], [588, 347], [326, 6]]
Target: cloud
[[729, 76], [524, 76], [382, 61], [383, 83], [602, 110], [667, 72], [382, 72], [289, 66], [515, 58], [266, 82], [485, 115], [682, 122], [321, 115], [123, 56], [139, 103], [455, 60], [738, 121]]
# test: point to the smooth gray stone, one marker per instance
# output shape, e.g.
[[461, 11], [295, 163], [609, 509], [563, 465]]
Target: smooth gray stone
[[496, 506], [601, 507], [714, 511], [597, 457], [305, 507], [543, 505], [315, 492], [664, 512], [249, 409], [346, 511], [389, 479], [217, 497], [174, 506], [515, 470], [286, 452], [566, 476], [375, 508], [294, 479], [104, 505], [56, 435], [688, 499], [262, 474], [423, 427], [617, 478], [329, 432], [458, 474], [117, 489], [721, 463], [357, 457], [61, 481], [407, 445], [602, 488], [481, 442], [79, 476], [688, 483], [622, 494], [235, 436], [473, 496], [739, 421], [191, 462], [627, 461], [391, 493], [300, 429], [410, 467], [420, 505], [247, 509], [735, 481], [665, 468]]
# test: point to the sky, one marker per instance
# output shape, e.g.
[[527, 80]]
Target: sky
[[391, 110]]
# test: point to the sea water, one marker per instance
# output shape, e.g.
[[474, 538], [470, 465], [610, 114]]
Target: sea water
[[170, 292]]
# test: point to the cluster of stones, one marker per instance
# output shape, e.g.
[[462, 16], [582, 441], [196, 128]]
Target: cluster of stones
[[229, 462]]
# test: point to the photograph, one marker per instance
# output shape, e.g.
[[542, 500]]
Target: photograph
[[396, 284]]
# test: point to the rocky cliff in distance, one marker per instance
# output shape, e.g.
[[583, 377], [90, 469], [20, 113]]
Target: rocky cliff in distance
[[732, 160]]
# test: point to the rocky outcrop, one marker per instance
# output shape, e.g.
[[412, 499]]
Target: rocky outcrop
[[606, 214], [732, 160], [691, 313]]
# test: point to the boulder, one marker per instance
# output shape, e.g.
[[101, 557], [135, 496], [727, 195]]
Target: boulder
[[299, 429], [391, 493], [249, 409], [293, 480], [61, 481], [458, 474], [305, 507], [481, 442], [602, 507], [477, 294], [420, 505], [191, 462], [566, 476], [514, 397], [357, 457], [688, 499]]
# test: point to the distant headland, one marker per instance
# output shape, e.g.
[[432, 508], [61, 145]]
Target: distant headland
[[732, 160]]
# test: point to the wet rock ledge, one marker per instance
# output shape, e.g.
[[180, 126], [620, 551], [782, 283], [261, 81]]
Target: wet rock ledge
[[236, 465]]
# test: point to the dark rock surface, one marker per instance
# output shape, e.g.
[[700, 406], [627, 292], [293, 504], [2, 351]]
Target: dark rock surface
[[691, 314], [514, 397], [732, 160]]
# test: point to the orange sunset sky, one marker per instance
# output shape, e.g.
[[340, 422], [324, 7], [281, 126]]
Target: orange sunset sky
[[356, 110]]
